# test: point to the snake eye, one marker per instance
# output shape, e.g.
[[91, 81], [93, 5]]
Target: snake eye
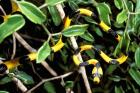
[[3, 68]]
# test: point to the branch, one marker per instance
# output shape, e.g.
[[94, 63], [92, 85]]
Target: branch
[[50, 79], [19, 84], [29, 48], [75, 46], [82, 69], [14, 47]]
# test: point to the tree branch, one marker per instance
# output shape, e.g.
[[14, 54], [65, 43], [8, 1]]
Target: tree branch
[[75, 46], [29, 48], [49, 79]]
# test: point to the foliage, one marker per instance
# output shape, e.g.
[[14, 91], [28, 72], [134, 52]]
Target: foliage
[[43, 23]]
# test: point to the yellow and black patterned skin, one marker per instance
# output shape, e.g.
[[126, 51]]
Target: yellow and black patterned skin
[[97, 71]]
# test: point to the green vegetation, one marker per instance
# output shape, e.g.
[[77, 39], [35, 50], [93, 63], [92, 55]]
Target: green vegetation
[[41, 44]]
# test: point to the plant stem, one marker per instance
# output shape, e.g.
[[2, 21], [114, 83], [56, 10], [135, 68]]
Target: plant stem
[[49, 79], [82, 69]]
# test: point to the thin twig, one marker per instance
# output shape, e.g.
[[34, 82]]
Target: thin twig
[[2, 10], [56, 34], [82, 69], [61, 11], [24, 43], [29, 48], [32, 38], [19, 84], [42, 6], [34, 71], [14, 47], [46, 30], [50, 79]]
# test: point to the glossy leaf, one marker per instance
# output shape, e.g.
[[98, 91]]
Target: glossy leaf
[[75, 30], [104, 11], [123, 44], [122, 16], [53, 2], [43, 52], [55, 15], [111, 68], [135, 74], [137, 57], [87, 36], [49, 87], [73, 5], [24, 77], [133, 47], [118, 4], [118, 89], [69, 84], [115, 78], [98, 32], [90, 53], [125, 41], [137, 25], [89, 19], [4, 92], [5, 80], [11, 25], [137, 18], [137, 9], [32, 12], [130, 6]]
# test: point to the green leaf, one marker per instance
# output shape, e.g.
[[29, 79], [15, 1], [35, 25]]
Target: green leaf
[[69, 84], [89, 19], [118, 4], [24, 77], [137, 18], [111, 68], [122, 16], [98, 32], [137, 24], [12, 24], [55, 15], [115, 78], [87, 36], [104, 11], [133, 46], [125, 41], [135, 74], [5, 80], [137, 9], [118, 89], [32, 12], [130, 6], [137, 57], [75, 30], [73, 5], [49, 87], [4, 92], [53, 2], [123, 44], [43, 52], [90, 53]]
